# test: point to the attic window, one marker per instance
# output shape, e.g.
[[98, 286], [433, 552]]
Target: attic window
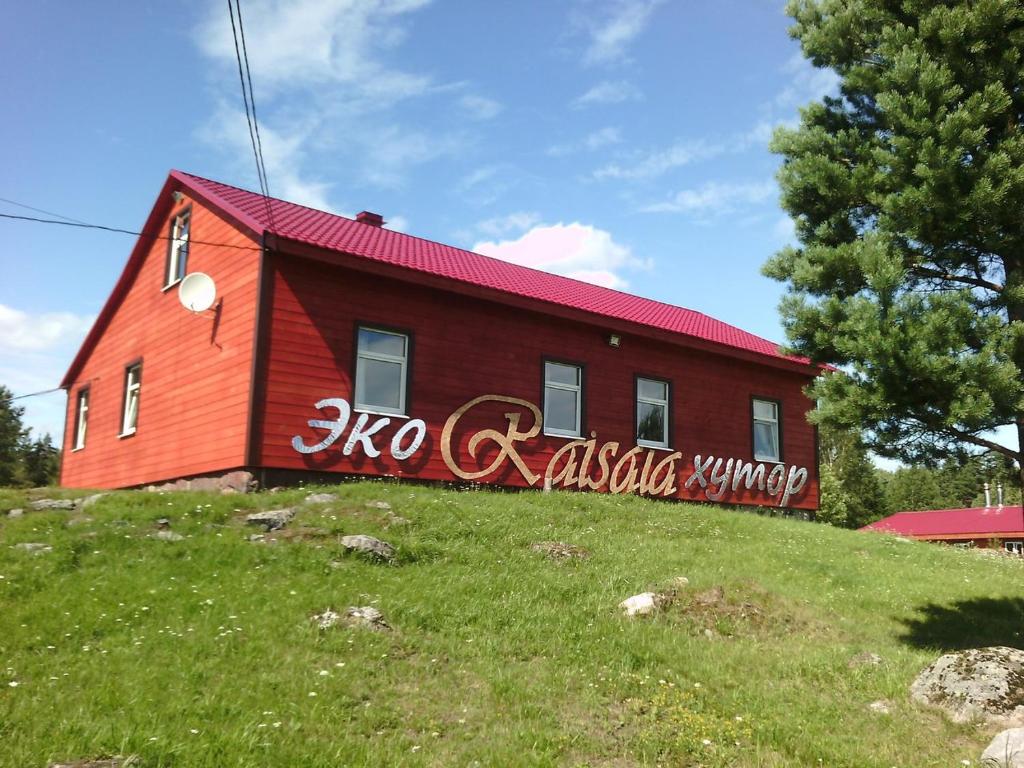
[[177, 248]]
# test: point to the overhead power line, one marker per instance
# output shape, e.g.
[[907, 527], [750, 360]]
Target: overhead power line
[[83, 225], [249, 100], [32, 394], [40, 210]]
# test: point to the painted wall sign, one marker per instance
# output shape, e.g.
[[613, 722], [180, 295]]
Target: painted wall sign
[[582, 464]]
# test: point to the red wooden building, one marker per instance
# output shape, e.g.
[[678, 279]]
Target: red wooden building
[[983, 527], [337, 346]]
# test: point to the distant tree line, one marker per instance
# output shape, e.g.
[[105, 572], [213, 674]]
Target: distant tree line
[[24, 460], [854, 492]]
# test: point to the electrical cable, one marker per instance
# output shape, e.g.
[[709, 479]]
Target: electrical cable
[[82, 225], [40, 210], [248, 115], [32, 394], [256, 124]]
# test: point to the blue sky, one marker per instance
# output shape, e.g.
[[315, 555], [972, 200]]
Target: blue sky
[[620, 142]]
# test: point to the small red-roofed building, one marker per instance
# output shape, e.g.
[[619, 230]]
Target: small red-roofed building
[[972, 526], [334, 347]]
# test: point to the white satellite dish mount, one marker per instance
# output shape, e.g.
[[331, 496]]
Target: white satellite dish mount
[[197, 292]]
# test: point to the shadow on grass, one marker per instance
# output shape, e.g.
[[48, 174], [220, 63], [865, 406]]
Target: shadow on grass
[[975, 623]]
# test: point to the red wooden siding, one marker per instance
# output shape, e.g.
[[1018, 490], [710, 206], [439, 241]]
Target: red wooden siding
[[195, 369], [466, 347]]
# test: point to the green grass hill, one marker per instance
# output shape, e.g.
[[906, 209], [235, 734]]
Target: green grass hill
[[201, 652]]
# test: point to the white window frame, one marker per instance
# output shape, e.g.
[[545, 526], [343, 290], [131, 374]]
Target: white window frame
[[773, 422], [1014, 547], [131, 389], [176, 246], [81, 418], [577, 388], [403, 361], [640, 399]]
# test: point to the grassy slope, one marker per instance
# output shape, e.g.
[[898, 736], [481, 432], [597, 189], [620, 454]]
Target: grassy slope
[[201, 653]]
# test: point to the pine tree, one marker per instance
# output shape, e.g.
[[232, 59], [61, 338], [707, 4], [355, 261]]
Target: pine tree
[[12, 434], [41, 461], [907, 192], [851, 492]]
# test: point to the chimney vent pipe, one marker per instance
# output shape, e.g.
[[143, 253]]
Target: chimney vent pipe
[[371, 218], [988, 497]]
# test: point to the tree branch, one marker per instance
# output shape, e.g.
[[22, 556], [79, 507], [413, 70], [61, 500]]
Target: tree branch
[[978, 282], [981, 442]]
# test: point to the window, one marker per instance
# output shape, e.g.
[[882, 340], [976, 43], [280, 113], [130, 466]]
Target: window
[[563, 399], [381, 365], [766, 430], [1014, 547], [132, 389], [177, 248], [651, 413], [81, 419]]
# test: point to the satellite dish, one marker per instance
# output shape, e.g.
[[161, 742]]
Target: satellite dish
[[196, 292]]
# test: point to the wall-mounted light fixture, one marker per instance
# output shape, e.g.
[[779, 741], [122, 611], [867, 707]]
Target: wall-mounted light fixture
[[614, 340], [178, 197]]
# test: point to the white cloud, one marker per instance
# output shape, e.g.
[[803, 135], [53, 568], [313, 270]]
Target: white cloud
[[574, 250], [785, 230], [394, 149], [611, 33], [593, 141], [520, 221], [486, 184], [316, 42], [35, 351], [397, 223], [715, 198], [283, 155], [324, 86], [807, 83], [652, 164], [23, 332], [480, 107], [608, 92]]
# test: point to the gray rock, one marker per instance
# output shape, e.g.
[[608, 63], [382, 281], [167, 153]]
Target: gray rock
[[397, 520], [880, 707], [88, 501], [864, 659], [239, 481], [1005, 751], [327, 619], [41, 504], [985, 683], [321, 498], [163, 522], [640, 605], [165, 535], [271, 519], [15, 512], [378, 505], [34, 546], [560, 551], [366, 617], [368, 545]]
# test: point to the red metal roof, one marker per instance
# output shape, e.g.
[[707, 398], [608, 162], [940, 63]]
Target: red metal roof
[[338, 233], [977, 522]]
